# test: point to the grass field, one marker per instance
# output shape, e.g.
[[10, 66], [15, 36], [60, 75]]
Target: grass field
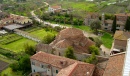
[[16, 45], [41, 33], [9, 72], [107, 40]]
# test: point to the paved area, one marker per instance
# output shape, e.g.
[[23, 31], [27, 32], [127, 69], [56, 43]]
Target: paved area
[[3, 65]]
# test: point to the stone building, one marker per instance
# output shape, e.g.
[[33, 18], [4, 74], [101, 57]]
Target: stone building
[[51, 65], [71, 37]]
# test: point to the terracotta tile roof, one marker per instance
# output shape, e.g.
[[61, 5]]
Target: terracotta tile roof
[[120, 42], [52, 59], [77, 69], [70, 68], [109, 21], [63, 44], [115, 65], [123, 14], [56, 7], [70, 32], [120, 23], [82, 70], [121, 35]]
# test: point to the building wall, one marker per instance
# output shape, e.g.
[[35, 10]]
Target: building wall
[[44, 68]]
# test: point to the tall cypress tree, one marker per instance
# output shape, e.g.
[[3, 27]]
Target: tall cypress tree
[[114, 25], [127, 25]]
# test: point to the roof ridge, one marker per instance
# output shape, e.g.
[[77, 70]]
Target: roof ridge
[[117, 54], [73, 68]]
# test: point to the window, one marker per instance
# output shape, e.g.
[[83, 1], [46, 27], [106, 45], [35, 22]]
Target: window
[[33, 63], [42, 66], [34, 70], [56, 71]]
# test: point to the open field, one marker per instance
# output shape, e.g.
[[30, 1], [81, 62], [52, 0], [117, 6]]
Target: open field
[[107, 40], [9, 72], [15, 45]]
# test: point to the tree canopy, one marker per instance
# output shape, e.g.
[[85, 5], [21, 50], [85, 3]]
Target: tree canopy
[[114, 25], [95, 25], [127, 25], [69, 53]]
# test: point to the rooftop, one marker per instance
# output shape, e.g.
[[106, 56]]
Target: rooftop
[[121, 35], [115, 65], [70, 68]]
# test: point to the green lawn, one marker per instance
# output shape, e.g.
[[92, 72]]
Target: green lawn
[[9, 72], [41, 33], [107, 40], [18, 45]]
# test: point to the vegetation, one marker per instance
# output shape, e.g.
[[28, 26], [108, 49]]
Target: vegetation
[[29, 49], [92, 59], [94, 49], [69, 53], [127, 25], [63, 18], [23, 64], [107, 39], [114, 25], [21, 7], [48, 38], [95, 25]]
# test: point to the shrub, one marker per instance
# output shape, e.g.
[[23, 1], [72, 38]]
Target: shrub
[[69, 53], [98, 42], [94, 49], [29, 49], [92, 59], [48, 38]]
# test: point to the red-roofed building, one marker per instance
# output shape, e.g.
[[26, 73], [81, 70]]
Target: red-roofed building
[[51, 65], [115, 65]]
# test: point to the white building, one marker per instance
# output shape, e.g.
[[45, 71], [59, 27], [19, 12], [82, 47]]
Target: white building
[[44, 64], [54, 9]]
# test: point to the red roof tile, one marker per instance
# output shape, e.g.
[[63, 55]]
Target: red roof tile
[[115, 65], [70, 68]]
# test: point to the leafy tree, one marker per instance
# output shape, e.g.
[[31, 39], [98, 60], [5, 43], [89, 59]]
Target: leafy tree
[[23, 64], [127, 25], [94, 49], [69, 53], [92, 59], [98, 41], [95, 25], [48, 38], [114, 25], [29, 49]]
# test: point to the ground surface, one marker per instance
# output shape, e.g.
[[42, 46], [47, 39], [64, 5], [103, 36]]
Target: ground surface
[[3, 65]]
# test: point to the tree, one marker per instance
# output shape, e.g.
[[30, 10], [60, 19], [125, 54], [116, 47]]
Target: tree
[[69, 53], [114, 25], [95, 25], [23, 64], [29, 49], [94, 49], [127, 25], [48, 38], [98, 41], [92, 59]]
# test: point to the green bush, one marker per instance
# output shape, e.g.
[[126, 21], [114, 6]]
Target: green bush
[[92, 59], [69, 53], [94, 49], [48, 38], [98, 41], [29, 49]]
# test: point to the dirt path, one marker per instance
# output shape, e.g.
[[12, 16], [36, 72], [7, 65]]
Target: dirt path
[[104, 51]]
